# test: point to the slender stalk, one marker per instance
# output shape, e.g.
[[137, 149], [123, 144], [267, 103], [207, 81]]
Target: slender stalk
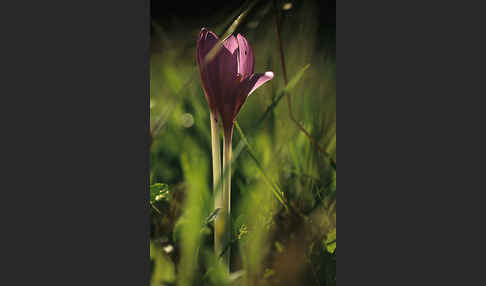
[[218, 195], [224, 223]]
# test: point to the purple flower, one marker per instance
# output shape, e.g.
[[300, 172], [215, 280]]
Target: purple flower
[[228, 77]]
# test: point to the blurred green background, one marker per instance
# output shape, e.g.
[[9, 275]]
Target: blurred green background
[[274, 243]]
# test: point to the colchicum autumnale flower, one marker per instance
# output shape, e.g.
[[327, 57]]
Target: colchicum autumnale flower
[[228, 79]]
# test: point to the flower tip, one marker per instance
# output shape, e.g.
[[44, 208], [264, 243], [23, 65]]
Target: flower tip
[[269, 74], [240, 37], [206, 33], [203, 31]]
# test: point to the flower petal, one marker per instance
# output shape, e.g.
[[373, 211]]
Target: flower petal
[[227, 62], [246, 57], [256, 80], [206, 41], [231, 44], [219, 75], [246, 88]]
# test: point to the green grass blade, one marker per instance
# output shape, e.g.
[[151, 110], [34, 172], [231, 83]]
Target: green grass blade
[[292, 83], [275, 188]]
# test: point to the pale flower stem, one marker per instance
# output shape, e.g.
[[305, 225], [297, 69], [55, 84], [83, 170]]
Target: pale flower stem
[[218, 196], [226, 210], [220, 239]]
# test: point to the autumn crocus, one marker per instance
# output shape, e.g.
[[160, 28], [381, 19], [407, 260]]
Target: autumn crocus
[[227, 76]]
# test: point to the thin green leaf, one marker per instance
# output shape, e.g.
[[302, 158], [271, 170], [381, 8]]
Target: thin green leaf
[[275, 189], [212, 216], [214, 51], [293, 82]]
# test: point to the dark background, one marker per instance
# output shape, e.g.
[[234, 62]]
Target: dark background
[[203, 9], [196, 11]]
